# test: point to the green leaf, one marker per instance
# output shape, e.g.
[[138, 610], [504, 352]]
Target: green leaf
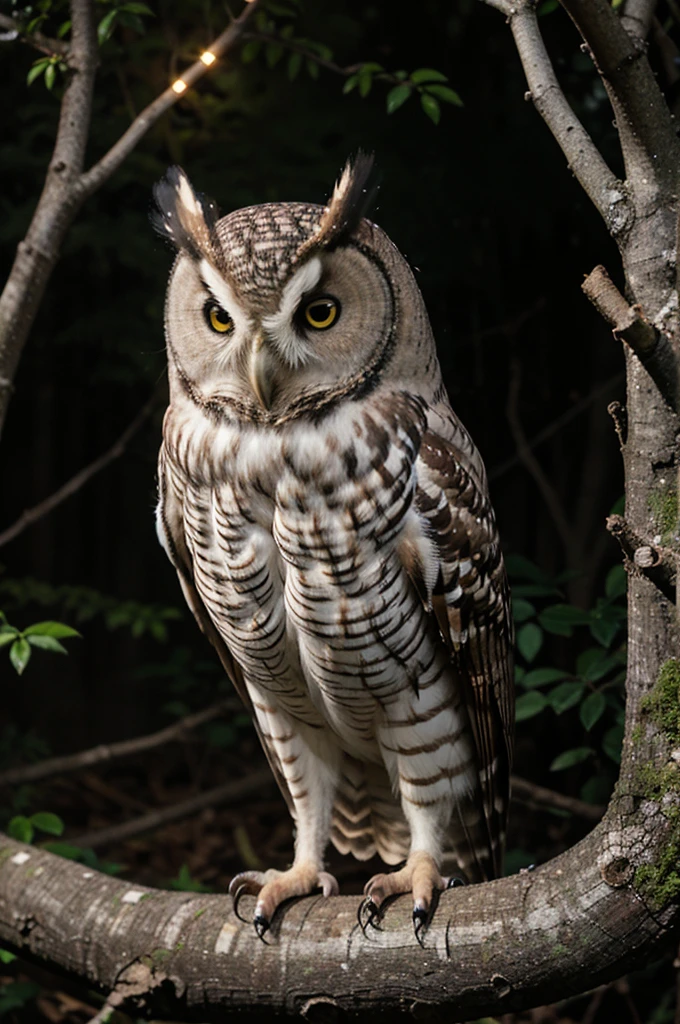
[[8, 637], [105, 26], [350, 84], [431, 107], [522, 610], [47, 643], [427, 75], [604, 629], [19, 654], [522, 568], [20, 828], [312, 69], [616, 583], [592, 709], [565, 696], [612, 742], [55, 629], [365, 80], [396, 97], [529, 640], [50, 75], [137, 8], [541, 676], [547, 7], [595, 663], [535, 590], [273, 54], [16, 995], [37, 70], [63, 29], [529, 704], [250, 51], [571, 757], [442, 92], [6, 957], [294, 65], [561, 619], [619, 506], [47, 822], [66, 850]]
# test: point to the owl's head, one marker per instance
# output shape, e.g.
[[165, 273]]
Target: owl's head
[[283, 310]]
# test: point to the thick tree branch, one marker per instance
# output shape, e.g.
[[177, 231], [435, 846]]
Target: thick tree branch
[[637, 17], [35, 39], [650, 147], [585, 160]]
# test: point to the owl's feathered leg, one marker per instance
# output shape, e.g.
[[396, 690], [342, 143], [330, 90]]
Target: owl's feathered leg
[[308, 763]]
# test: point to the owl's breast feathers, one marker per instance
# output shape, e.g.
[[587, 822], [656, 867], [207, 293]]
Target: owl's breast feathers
[[348, 568]]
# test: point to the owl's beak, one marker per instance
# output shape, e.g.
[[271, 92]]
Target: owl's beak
[[261, 371]]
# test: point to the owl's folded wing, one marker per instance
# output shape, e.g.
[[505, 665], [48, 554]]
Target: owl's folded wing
[[172, 536], [471, 602]]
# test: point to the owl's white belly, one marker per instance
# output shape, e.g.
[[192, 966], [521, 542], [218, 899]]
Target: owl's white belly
[[298, 564]]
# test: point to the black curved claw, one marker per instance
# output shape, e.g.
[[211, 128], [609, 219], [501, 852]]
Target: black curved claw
[[420, 921], [455, 881], [240, 892], [371, 911], [261, 925]]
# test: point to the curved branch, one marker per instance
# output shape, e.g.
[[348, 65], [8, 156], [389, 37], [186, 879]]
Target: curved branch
[[491, 949]]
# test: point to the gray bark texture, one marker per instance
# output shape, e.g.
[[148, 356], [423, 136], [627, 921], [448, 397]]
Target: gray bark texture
[[609, 904]]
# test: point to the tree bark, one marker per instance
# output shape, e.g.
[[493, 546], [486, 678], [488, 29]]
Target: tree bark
[[609, 904]]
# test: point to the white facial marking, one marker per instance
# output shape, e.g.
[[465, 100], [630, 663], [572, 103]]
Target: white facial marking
[[279, 326]]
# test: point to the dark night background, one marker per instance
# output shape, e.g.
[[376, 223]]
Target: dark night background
[[501, 236]]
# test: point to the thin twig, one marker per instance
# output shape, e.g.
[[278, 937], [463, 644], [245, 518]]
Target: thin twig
[[227, 793], [528, 792], [32, 515], [527, 457], [35, 39], [105, 753]]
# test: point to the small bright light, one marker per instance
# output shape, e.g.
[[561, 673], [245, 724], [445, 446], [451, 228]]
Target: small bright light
[[179, 86], [208, 58]]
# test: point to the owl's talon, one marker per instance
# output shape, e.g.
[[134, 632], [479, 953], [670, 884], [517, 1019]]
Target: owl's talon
[[261, 925], [236, 897], [454, 881], [369, 910], [421, 917]]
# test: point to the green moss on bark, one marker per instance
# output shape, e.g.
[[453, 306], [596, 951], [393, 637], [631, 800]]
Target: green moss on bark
[[659, 882], [663, 504]]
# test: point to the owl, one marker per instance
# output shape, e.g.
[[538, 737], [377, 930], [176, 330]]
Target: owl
[[329, 520]]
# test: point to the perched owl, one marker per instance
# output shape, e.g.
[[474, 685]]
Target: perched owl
[[329, 519]]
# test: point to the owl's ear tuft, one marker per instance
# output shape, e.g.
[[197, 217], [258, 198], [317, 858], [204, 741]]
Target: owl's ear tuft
[[348, 204], [185, 218]]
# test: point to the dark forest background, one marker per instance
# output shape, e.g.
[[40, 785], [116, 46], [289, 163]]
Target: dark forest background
[[500, 236]]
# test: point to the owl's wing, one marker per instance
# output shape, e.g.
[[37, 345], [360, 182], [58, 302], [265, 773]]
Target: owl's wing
[[171, 531], [471, 602]]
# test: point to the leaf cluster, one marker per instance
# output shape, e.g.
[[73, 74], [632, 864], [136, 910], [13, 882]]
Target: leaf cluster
[[45, 636]]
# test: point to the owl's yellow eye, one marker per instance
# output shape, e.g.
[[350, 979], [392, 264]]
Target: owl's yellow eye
[[218, 319], [322, 312]]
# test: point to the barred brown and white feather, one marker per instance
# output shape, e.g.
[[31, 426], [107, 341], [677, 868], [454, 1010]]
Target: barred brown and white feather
[[330, 521]]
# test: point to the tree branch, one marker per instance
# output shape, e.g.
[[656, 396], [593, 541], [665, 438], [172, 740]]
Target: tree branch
[[655, 563], [111, 161], [72, 486], [637, 17], [35, 39], [105, 753], [651, 347], [529, 793], [650, 148], [597, 180], [67, 186], [229, 792]]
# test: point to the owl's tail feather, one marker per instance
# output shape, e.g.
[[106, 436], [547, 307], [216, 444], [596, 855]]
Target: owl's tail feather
[[366, 817]]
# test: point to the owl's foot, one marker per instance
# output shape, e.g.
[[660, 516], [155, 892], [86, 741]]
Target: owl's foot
[[273, 887], [420, 876]]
